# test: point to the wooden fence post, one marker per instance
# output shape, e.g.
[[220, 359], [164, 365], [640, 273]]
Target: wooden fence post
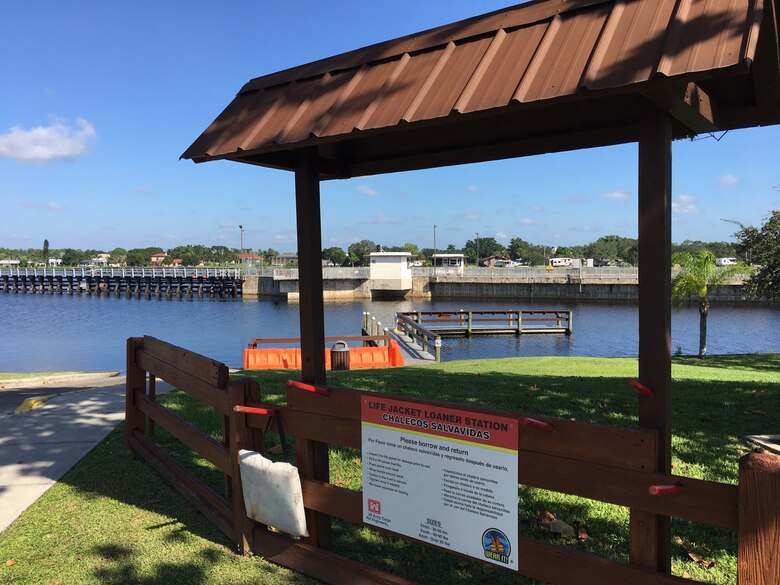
[[136, 379], [240, 438], [758, 554]]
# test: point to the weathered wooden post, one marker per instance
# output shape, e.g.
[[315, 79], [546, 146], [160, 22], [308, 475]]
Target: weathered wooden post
[[569, 324], [758, 554], [239, 437], [468, 331], [519, 322], [135, 380]]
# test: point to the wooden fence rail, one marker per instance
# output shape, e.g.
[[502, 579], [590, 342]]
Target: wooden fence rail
[[609, 464]]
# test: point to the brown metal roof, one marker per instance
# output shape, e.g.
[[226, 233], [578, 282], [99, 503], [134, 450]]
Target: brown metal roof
[[541, 76]]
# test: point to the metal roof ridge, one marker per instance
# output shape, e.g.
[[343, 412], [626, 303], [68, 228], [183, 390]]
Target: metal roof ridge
[[518, 15]]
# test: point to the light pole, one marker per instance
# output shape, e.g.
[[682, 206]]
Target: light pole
[[241, 253]]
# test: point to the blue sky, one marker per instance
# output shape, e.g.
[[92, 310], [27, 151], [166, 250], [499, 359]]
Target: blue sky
[[100, 98]]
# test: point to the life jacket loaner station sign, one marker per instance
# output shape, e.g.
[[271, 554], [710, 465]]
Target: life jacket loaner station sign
[[443, 476]]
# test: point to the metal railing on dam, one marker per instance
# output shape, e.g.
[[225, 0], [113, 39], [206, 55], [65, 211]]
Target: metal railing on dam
[[127, 271]]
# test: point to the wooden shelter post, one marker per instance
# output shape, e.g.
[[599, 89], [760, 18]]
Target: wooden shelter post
[[650, 542], [312, 456]]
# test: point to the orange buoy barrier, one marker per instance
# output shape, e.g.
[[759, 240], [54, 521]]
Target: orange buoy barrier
[[272, 358], [287, 358], [396, 356]]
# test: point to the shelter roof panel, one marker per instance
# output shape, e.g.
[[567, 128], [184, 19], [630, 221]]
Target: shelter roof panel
[[450, 82], [692, 58], [632, 41], [368, 83], [399, 97], [504, 72]]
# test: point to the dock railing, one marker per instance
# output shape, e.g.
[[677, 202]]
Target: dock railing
[[411, 326], [470, 323]]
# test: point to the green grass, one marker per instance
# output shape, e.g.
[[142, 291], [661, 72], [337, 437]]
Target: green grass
[[113, 520], [20, 376]]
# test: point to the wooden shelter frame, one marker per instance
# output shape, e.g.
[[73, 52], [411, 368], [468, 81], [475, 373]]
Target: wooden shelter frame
[[652, 114]]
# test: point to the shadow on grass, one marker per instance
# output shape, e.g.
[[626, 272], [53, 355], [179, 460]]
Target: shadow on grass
[[769, 362]]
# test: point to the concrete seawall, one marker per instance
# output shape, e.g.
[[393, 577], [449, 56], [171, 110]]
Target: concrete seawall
[[425, 287]]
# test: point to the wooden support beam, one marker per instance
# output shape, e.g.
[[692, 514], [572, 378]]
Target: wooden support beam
[[307, 205], [650, 539], [312, 456], [687, 103]]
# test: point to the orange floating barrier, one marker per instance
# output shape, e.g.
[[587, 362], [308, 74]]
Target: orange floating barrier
[[286, 358], [271, 358]]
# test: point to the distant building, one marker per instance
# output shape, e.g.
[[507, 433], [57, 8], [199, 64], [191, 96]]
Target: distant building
[[249, 258], [390, 272], [494, 261], [287, 259], [53, 262], [158, 259], [9, 263], [449, 263]]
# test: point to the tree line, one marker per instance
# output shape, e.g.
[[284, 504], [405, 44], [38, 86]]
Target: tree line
[[611, 248]]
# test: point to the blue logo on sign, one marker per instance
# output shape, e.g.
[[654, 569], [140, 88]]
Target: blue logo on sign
[[496, 545]]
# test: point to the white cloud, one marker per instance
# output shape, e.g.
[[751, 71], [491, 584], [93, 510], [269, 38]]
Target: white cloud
[[729, 180], [368, 191], [619, 195], [472, 189], [501, 236], [381, 218], [537, 208], [47, 143], [47, 205], [529, 222], [685, 204], [472, 216]]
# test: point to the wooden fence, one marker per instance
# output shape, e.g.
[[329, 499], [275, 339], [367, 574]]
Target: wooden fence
[[605, 463]]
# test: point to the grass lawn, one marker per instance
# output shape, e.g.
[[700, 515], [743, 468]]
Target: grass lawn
[[113, 520], [20, 376]]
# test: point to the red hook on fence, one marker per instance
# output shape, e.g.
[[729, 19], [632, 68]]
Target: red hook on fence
[[641, 388], [322, 391], [536, 424], [665, 490], [254, 410]]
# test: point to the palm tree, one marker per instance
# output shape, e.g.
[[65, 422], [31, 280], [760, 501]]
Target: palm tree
[[698, 275]]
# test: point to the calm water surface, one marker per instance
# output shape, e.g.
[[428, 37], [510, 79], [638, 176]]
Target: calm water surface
[[58, 333]]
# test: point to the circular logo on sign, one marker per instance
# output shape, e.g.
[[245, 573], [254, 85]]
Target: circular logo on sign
[[496, 545]]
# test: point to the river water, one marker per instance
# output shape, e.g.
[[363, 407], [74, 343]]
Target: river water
[[88, 333]]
